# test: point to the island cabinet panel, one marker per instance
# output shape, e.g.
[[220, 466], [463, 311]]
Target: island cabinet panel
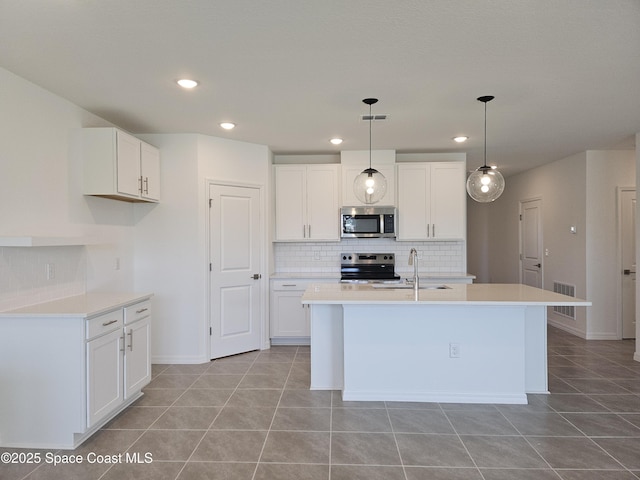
[[431, 201], [118, 165], [70, 372], [487, 364], [307, 203]]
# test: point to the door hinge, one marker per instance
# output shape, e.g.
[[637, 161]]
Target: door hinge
[[210, 331], [210, 202], [520, 217], [210, 268]]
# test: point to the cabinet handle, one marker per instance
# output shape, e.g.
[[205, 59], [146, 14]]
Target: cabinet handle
[[309, 230], [141, 310], [110, 322], [304, 231], [140, 182], [433, 230], [146, 185], [121, 341], [130, 339]]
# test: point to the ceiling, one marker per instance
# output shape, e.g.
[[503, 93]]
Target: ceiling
[[292, 73]]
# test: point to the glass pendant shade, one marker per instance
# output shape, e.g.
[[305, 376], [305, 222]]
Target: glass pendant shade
[[485, 185], [370, 186]]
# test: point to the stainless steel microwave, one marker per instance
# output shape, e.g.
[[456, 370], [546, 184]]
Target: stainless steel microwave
[[367, 222]]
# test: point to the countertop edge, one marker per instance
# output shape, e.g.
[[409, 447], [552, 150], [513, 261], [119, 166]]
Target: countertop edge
[[78, 306]]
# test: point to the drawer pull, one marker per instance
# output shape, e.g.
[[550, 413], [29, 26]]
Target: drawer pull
[[141, 310], [289, 285], [110, 322]]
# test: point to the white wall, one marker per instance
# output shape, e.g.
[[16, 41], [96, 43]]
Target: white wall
[[637, 354], [576, 191], [171, 257], [606, 171], [41, 195]]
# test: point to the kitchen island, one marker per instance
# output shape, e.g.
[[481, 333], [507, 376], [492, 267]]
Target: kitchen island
[[477, 343]]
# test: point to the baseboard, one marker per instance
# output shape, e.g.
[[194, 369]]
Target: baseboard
[[566, 328], [290, 341], [178, 360], [602, 336]]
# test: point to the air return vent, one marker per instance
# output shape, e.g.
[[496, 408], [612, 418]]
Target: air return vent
[[570, 291], [379, 116]]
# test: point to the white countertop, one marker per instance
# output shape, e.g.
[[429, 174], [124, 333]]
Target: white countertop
[[456, 294], [336, 275], [86, 305]]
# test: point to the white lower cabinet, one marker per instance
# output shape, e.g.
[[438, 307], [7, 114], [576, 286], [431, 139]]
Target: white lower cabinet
[[289, 319], [119, 362], [137, 348], [104, 376], [71, 372]]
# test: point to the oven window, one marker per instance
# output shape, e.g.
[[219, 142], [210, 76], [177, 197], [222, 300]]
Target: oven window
[[361, 224]]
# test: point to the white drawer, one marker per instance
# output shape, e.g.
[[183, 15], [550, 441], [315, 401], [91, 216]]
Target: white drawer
[[105, 323], [137, 311], [290, 284]]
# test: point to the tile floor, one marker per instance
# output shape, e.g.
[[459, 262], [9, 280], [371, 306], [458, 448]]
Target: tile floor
[[252, 417]]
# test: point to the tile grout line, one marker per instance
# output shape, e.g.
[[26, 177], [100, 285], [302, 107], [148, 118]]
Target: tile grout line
[[275, 412], [216, 416], [444, 412], [395, 439]]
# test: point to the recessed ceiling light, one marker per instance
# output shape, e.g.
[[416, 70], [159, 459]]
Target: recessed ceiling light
[[227, 125], [187, 83], [336, 141], [460, 139]]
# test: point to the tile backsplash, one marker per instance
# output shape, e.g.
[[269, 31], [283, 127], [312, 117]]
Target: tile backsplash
[[35, 275], [324, 257]]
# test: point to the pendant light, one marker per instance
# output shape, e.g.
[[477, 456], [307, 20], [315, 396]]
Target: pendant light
[[370, 186], [485, 184]]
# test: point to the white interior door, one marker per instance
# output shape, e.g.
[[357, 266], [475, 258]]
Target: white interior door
[[235, 258], [628, 253], [531, 242]]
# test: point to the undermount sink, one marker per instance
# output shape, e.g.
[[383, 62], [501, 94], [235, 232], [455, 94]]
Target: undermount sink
[[406, 286]]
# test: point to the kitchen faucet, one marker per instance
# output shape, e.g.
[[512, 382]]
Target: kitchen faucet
[[413, 260]]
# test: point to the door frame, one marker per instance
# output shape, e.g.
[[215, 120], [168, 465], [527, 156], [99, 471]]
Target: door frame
[[264, 267], [619, 265], [520, 252]]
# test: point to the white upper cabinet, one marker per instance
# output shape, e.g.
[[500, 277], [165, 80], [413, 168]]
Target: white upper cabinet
[[355, 161], [120, 166], [431, 201], [307, 202]]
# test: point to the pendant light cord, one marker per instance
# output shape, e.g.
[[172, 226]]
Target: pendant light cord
[[370, 122], [484, 165]]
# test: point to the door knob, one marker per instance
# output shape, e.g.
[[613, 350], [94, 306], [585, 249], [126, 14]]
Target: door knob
[[256, 276], [538, 265]]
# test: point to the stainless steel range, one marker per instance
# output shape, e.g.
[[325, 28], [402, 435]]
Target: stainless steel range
[[368, 268]]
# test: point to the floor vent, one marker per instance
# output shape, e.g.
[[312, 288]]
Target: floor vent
[[570, 291]]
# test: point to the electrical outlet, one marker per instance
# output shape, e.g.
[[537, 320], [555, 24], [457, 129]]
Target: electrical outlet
[[454, 350], [116, 264]]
